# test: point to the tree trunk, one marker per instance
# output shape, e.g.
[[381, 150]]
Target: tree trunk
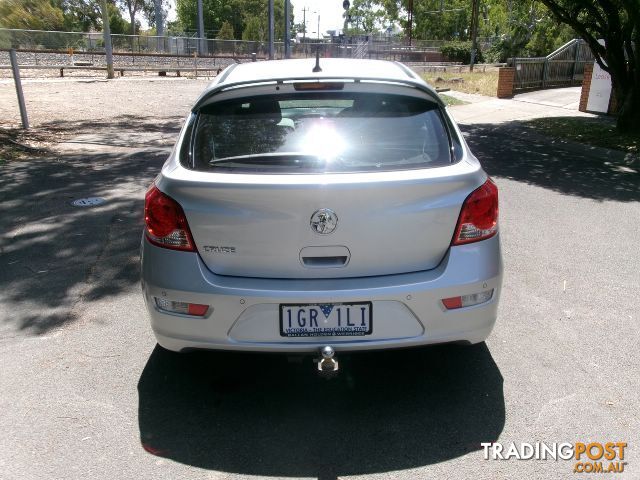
[[628, 103], [132, 14]]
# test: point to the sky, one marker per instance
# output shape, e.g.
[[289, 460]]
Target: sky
[[330, 12]]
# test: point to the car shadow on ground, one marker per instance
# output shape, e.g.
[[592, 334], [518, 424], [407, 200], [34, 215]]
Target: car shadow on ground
[[257, 414], [513, 151]]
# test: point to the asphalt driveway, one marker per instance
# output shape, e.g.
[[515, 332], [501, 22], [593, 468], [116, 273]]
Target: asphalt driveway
[[86, 392]]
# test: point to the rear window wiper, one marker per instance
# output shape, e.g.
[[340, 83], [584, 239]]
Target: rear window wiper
[[275, 158]]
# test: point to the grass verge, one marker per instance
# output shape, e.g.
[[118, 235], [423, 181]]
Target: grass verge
[[451, 101], [597, 132], [477, 82]]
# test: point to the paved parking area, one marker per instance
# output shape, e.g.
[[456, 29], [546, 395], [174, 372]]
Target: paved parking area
[[86, 393]]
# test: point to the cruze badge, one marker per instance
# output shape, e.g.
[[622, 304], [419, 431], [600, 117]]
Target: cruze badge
[[324, 221], [217, 249]]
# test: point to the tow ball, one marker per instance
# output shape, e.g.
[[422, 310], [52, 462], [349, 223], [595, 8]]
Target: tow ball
[[327, 365]]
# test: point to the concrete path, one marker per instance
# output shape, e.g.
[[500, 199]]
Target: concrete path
[[568, 98], [559, 102]]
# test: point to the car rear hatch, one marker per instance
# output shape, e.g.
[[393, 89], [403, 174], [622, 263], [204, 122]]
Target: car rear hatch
[[329, 186]]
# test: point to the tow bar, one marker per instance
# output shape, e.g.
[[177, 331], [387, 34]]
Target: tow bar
[[327, 365]]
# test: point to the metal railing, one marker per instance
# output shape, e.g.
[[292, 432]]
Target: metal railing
[[562, 68]]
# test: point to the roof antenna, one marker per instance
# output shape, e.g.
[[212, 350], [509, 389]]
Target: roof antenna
[[317, 67]]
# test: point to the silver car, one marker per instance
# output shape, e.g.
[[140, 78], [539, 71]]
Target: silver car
[[327, 205]]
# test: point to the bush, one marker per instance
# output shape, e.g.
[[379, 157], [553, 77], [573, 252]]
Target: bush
[[460, 52], [500, 52], [508, 46], [226, 32]]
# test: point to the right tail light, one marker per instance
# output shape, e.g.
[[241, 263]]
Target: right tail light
[[478, 218]]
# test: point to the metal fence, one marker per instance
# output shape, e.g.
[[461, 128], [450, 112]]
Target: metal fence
[[93, 42], [562, 68], [390, 48]]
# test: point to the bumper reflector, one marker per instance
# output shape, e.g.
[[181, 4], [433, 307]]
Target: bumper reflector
[[194, 309], [467, 300]]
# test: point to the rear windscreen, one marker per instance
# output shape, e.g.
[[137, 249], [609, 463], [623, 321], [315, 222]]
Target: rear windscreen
[[320, 132]]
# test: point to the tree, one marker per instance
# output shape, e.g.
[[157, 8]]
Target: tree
[[366, 16], [80, 15], [254, 31], [226, 32], [30, 14], [617, 22], [133, 7], [237, 12], [149, 11], [117, 24]]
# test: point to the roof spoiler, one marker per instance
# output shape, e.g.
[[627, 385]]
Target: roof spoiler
[[414, 82]]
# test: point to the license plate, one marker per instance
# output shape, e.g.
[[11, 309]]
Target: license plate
[[326, 319]]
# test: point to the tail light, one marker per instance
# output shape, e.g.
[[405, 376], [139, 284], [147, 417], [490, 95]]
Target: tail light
[[467, 300], [479, 215], [165, 223], [192, 309]]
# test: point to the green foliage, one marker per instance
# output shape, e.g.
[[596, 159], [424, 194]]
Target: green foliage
[[519, 27], [226, 32], [30, 14], [535, 34], [135, 7], [451, 23], [237, 13], [255, 30], [548, 36], [66, 15], [367, 16], [149, 11], [117, 24], [502, 50], [80, 15], [457, 51]]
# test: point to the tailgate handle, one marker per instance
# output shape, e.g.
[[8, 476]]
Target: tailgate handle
[[325, 262], [330, 256]]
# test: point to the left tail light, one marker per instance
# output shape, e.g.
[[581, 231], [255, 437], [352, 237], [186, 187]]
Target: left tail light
[[165, 222]]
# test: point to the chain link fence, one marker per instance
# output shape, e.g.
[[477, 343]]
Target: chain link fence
[[44, 52], [378, 47]]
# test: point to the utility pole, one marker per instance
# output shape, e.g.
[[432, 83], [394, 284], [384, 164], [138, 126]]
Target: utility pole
[[16, 79], [159, 25], [318, 27], [346, 5], [304, 24], [475, 7], [287, 30], [158, 18], [410, 20], [106, 34], [271, 30], [200, 28]]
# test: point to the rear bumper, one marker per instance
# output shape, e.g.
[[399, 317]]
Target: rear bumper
[[244, 316]]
